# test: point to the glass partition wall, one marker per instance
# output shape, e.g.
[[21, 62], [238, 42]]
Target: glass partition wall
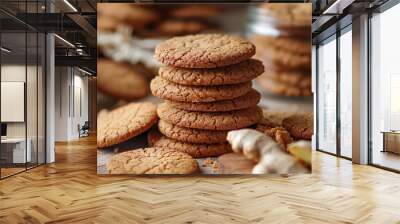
[[326, 118], [385, 89], [345, 92], [334, 85], [22, 77]]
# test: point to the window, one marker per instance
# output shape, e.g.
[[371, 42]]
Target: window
[[385, 89], [346, 93], [327, 96]]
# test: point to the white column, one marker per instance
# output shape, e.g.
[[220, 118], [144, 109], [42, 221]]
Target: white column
[[360, 90], [50, 100]]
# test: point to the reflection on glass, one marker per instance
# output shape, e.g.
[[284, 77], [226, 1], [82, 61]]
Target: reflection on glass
[[41, 99], [345, 94], [385, 84], [327, 97], [14, 153], [31, 100]]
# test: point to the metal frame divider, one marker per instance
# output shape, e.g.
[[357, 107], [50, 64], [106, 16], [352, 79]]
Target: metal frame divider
[[44, 70], [338, 153]]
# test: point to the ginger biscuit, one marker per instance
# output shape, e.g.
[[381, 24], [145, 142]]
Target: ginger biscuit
[[191, 135], [299, 126], [233, 74], [221, 121], [250, 99], [204, 51], [152, 161], [123, 123], [170, 91], [120, 80], [195, 150]]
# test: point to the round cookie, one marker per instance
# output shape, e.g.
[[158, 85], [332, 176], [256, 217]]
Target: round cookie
[[292, 44], [294, 78], [221, 121], [233, 74], [125, 122], [204, 51], [195, 11], [274, 117], [191, 135], [250, 99], [299, 126], [152, 161], [283, 89], [129, 14], [175, 92], [284, 58], [106, 24], [195, 150], [278, 133], [173, 27], [294, 14], [120, 80]]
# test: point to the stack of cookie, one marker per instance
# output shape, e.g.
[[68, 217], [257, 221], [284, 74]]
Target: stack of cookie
[[284, 45], [206, 82]]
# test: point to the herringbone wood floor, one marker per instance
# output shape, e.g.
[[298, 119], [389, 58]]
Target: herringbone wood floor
[[69, 191]]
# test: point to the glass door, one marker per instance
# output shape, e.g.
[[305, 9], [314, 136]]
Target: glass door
[[22, 98], [14, 153]]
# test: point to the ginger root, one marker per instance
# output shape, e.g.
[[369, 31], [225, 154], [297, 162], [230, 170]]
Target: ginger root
[[269, 155]]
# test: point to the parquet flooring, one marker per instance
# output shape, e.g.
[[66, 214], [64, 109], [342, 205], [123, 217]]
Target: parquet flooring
[[69, 191]]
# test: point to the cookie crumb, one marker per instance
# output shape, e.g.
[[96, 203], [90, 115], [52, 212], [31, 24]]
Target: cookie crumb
[[215, 166], [208, 162]]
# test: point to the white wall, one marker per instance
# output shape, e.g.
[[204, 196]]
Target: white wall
[[12, 73], [70, 82], [33, 127]]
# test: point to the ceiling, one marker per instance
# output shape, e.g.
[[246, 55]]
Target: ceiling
[[332, 15], [72, 20]]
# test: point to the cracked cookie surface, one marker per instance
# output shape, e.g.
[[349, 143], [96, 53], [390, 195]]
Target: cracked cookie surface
[[233, 74], [152, 161], [191, 135], [195, 150], [210, 120], [250, 99], [120, 80], [125, 122], [299, 126], [171, 91], [204, 51]]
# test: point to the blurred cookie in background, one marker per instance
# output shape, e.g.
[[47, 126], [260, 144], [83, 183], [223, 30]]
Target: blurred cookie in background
[[176, 27], [107, 24], [120, 80], [195, 11], [294, 14], [282, 35], [134, 15]]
